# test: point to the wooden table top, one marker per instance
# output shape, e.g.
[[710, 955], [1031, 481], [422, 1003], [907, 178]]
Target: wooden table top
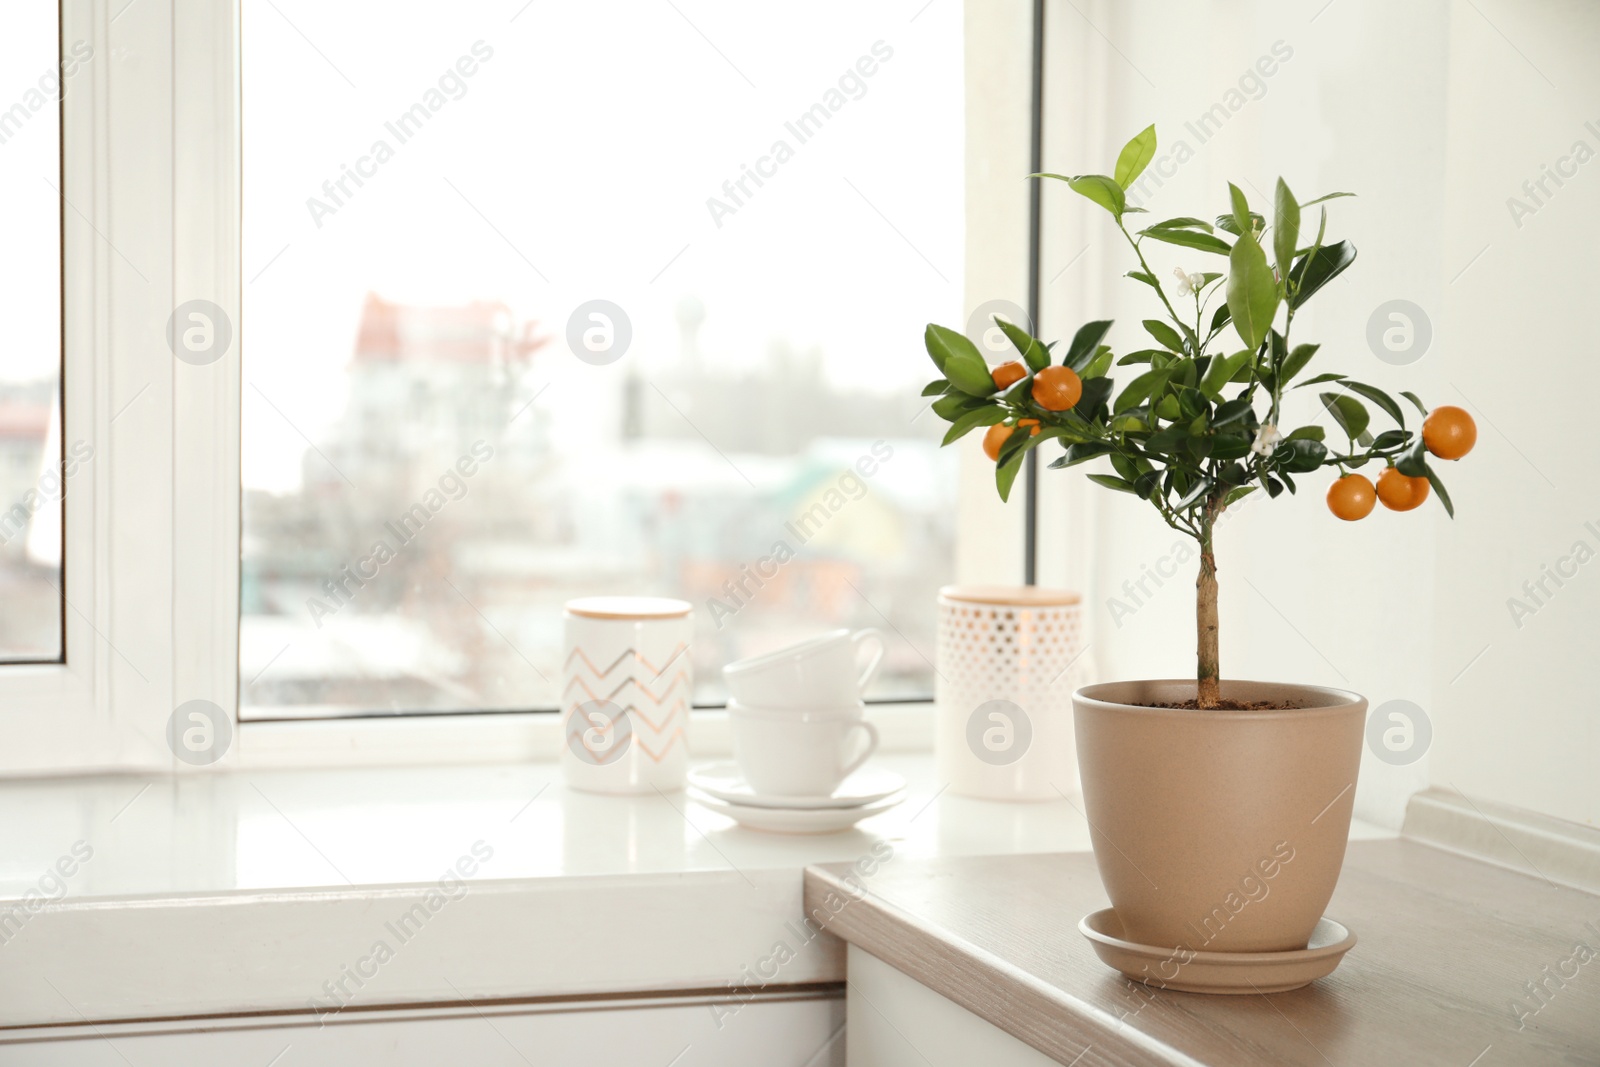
[[1447, 949]]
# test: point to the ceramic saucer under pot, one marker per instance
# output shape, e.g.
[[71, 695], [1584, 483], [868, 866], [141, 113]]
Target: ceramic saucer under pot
[[1217, 972]]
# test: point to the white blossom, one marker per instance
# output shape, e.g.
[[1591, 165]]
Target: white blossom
[[1267, 439], [1188, 283]]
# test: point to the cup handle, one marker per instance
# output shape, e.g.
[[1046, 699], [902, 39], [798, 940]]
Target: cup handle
[[872, 746], [870, 671]]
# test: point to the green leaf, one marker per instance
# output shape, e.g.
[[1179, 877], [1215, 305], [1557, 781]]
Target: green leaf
[[1252, 292], [1140, 388], [1084, 343], [943, 343], [1098, 365], [1232, 474], [1227, 223], [971, 377], [1006, 473], [1318, 268], [1165, 441], [1164, 335], [1319, 379], [1147, 484], [1391, 439], [1415, 399], [1351, 415], [1102, 190], [1438, 487], [1189, 499], [1097, 187], [1081, 453], [1033, 353], [953, 405], [1222, 317], [1299, 456], [1295, 362], [1111, 481], [1019, 440], [1226, 446], [1095, 393], [1378, 397], [1325, 196], [1413, 462], [1307, 433], [1242, 217], [1285, 227], [1182, 222], [1020, 339], [1348, 412], [936, 388], [1232, 411], [1144, 355], [1135, 156], [1141, 276], [1221, 372], [1205, 242], [987, 415], [1237, 494]]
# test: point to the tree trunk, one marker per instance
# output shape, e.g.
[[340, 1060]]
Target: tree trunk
[[1208, 672]]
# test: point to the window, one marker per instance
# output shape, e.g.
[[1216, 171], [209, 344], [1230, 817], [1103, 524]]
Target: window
[[36, 463], [561, 300]]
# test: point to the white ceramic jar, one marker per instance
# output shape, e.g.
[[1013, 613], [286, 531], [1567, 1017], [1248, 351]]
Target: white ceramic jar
[[625, 691], [1007, 658]]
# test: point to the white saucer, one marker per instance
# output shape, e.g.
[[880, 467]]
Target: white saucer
[[1218, 972], [725, 782], [794, 820]]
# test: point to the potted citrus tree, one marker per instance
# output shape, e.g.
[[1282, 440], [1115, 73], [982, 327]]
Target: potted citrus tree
[[1195, 789]]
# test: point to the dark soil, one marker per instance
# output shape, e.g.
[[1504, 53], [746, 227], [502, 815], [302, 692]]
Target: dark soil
[[1224, 705]]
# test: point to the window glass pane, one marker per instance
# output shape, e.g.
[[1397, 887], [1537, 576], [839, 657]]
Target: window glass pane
[[552, 300], [32, 483]]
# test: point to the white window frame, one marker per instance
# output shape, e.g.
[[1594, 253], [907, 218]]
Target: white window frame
[[107, 705], [152, 186]]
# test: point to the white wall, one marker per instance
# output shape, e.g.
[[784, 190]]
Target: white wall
[[1435, 113]]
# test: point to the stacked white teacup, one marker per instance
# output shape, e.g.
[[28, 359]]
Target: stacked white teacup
[[800, 738]]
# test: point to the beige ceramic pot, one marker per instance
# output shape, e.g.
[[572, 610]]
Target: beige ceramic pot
[[1218, 831]]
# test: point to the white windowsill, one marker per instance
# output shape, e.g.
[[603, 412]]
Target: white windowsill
[[245, 892]]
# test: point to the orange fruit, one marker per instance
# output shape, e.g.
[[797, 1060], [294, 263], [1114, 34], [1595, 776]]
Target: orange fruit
[[1449, 432], [1057, 388], [1401, 492], [1034, 423], [1008, 374], [994, 439], [1352, 497]]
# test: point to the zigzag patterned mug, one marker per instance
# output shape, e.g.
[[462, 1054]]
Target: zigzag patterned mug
[[626, 683]]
